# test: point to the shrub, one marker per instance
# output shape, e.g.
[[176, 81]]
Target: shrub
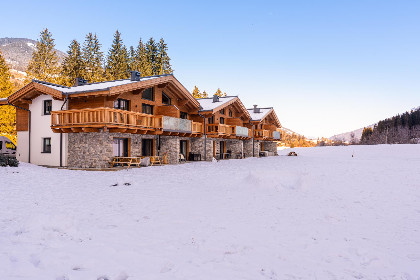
[[8, 161]]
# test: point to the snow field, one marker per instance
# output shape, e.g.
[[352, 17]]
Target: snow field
[[321, 215]]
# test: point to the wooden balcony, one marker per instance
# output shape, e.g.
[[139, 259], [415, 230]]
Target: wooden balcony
[[264, 134], [181, 127], [197, 128], [261, 134], [107, 119], [228, 131]]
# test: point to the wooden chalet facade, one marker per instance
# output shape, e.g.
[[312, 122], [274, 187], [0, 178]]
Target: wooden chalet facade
[[86, 125]]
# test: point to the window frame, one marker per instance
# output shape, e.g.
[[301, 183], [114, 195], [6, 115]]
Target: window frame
[[44, 107], [153, 94], [230, 113], [222, 111], [145, 105], [221, 120], [120, 101], [166, 96], [183, 115], [44, 145], [210, 120]]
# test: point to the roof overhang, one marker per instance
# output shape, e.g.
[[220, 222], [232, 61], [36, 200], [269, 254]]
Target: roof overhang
[[32, 90], [228, 103], [270, 112]]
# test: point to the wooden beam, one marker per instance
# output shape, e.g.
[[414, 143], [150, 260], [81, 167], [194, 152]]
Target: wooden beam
[[90, 129], [138, 91], [76, 129], [183, 102], [117, 130]]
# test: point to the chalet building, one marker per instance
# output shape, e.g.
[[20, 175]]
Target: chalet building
[[86, 125], [265, 125], [227, 125]]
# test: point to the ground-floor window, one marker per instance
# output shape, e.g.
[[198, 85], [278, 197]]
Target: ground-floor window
[[120, 147], [147, 147], [46, 145]]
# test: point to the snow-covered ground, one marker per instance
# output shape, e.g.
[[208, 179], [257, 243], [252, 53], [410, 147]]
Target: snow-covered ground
[[321, 215]]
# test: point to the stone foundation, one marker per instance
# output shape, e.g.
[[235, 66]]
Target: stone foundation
[[270, 146], [197, 147], [236, 147], [170, 146], [94, 149], [249, 151]]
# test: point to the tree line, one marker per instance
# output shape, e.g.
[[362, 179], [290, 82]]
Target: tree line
[[7, 113], [198, 94], [88, 61], [399, 129]]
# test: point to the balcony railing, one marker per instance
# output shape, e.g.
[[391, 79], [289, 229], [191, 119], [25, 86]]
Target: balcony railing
[[241, 131], [261, 133], [231, 131], [176, 125], [219, 129], [104, 117], [197, 128], [276, 135]]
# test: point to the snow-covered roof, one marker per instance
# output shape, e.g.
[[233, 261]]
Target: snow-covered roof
[[94, 86], [207, 104], [263, 112], [3, 101]]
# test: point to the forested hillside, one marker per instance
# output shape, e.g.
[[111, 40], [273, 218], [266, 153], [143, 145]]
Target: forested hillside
[[400, 129]]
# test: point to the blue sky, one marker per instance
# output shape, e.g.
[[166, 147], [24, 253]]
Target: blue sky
[[325, 66]]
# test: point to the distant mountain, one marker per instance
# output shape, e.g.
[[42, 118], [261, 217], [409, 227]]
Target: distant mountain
[[346, 136], [18, 52]]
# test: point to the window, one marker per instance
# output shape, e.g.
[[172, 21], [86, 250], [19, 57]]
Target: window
[[120, 147], [122, 104], [211, 120], [165, 99], [184, 115], [222, 111], [147, 109], [47, 107], [230, 113], [1, 145], [148, 94], [222, 120], [46, 145]]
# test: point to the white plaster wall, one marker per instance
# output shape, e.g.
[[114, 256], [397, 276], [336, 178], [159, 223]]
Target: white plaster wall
[[41, 128], [22, 149]]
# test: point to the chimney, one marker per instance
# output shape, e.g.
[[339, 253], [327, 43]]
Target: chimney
[[135, 75], [256, 110], [215, 98], [80, 82]]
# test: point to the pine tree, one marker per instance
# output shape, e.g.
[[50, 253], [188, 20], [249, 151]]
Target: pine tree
[[72, 67], [44, 62], [92, 59], [117, 66], [132, 59], [204, 94], [196, 93], [7, 113], [163, 60], [140, 62], [152, 56], [219, 93]]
